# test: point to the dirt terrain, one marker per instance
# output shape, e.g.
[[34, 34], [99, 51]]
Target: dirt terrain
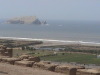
[[7, 69]]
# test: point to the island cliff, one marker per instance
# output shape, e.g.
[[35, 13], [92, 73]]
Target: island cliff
[[24, 20]]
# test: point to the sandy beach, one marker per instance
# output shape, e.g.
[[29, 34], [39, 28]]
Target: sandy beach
[[52, 42]]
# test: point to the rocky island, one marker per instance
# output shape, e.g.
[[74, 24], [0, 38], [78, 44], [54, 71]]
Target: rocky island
[[24, 20]]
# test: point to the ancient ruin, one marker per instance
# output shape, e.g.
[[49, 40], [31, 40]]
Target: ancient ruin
[[4, 51], [34, 62]]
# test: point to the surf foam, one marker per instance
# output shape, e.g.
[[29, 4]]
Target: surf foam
[[49, 40]]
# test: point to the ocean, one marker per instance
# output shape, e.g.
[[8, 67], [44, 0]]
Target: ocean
[[72, 31]]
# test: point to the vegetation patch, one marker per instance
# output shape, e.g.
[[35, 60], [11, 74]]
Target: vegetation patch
[[74, 57]]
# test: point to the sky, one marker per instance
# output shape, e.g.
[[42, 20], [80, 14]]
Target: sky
[[52, 9]]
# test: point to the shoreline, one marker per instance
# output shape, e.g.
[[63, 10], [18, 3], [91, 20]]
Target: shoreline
[[52, 41]]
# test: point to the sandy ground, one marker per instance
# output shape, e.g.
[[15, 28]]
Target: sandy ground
[[50, 44], [7, 69]]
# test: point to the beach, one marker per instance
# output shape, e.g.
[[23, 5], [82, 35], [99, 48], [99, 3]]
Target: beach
[[52, 42]]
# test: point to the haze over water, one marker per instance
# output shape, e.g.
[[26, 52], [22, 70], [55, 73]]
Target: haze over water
[[78, 20], [87, 31]]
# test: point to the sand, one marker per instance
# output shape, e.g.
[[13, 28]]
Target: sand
[[7, 69]]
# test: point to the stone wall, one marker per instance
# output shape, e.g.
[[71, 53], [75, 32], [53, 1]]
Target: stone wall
[[4, 51], [45, 65], [88, 72], [34, 62]]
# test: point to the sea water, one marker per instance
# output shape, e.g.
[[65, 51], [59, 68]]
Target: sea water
[[72, 31]]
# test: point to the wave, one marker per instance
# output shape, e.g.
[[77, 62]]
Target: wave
[[49, 40]]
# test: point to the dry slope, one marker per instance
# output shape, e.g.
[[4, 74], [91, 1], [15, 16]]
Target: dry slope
[[6, 69]]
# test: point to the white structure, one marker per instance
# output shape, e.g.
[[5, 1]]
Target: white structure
[[98, 56]]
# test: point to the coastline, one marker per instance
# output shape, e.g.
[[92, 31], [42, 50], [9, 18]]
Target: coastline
[[56, 42]]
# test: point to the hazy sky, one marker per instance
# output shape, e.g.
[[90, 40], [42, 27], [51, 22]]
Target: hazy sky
[[52, 9]]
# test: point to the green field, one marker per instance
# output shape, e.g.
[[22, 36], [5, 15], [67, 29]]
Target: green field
[[62, 57], [79, 58], [33, 53]]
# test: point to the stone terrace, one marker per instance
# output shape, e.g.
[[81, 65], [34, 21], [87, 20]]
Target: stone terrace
[[30, 65]]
